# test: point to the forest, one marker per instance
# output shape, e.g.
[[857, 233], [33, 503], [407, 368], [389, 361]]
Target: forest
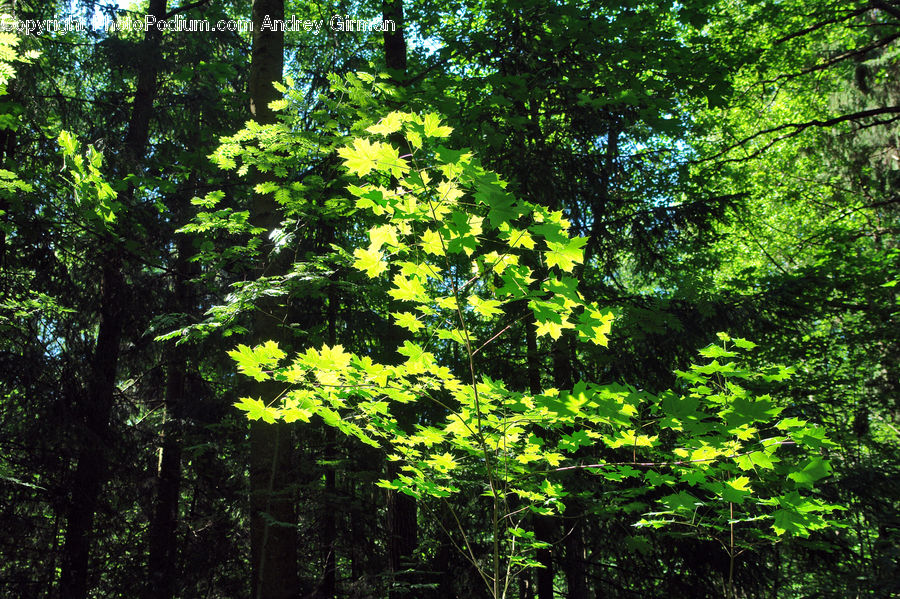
[[477, 299]]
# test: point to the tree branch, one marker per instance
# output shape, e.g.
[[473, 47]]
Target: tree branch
[[839, 58], [800, 127], [820, 24]]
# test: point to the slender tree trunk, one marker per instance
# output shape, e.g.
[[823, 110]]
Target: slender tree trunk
[[273, 519], [394, 41], [273, 523], [402, 524], [357, 540], [329, 522], [403, 531], [96, 405], [328, 587], [163, 524], [545, 530], [575, 567], [603, 193], [164, 521], [94, 413], [543, 525]]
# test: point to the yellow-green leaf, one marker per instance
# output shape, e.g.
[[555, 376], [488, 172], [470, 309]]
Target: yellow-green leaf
[[369, 261], [389, 124], [433, 127]]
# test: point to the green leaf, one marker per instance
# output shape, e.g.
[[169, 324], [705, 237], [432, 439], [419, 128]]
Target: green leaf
[[748, 410], [67, 142], [370, 261], [743, 343], [489, 190], [431, 243], [456, 335], [566, 255], [388, 159], [574, 441], [412, 351], [408, 289], [334, 358], [736, 490], [486, 308], [681, 501], [256, 409], [362, 157], [391, 123], [763, 460], [716, 351], [813, 469], [433, 128], [408, 321], [443, 462], [383, 235], [787, 520], [548, 327], [595, 326], [248, 362]]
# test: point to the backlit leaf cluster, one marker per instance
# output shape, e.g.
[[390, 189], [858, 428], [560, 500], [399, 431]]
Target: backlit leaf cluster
[[454, 249]]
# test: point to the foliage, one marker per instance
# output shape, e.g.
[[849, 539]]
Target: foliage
[[721, 166], [458, 249]]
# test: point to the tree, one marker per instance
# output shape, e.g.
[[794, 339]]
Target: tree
[[807, 252], [496, 441], [97, 403], [722, 167], [273, 519]]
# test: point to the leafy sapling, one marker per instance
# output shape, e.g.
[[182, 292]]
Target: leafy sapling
[[453, 248]]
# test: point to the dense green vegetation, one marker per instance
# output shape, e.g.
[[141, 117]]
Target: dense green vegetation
[[515, 299]]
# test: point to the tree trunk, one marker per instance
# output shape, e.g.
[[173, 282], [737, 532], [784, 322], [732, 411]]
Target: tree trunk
[[575, 567], [94, 413], [403, 539], [164, 521], [394, 41], [273, 519], [96, 405], [163, 524], [402, 519], [328, 587], [543, 525], [329, 522]]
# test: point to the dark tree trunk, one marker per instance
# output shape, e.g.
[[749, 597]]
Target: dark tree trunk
[[403, 533], [163, 524], [402, 524], [574, 567], [328, 587], [394, 41], [329, 523], [545, 530], [94, 413], [273, 519], [543, 525], [164, 521], [273, 523], [96, 405]]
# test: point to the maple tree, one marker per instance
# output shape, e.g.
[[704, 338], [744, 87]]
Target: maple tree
[[454, 246]]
